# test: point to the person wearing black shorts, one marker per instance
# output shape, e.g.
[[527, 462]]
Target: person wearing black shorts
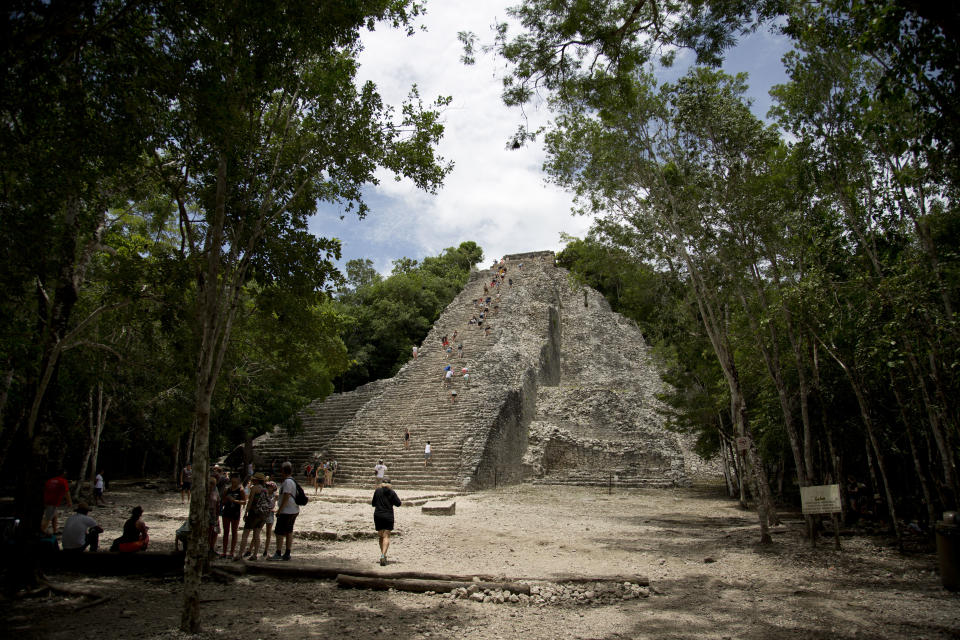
[[384, 500], [287, 512]]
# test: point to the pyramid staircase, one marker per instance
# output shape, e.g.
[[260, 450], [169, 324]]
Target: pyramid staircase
[[418, 399]]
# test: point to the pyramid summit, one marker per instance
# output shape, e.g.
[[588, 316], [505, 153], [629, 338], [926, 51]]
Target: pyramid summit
[[559, 389]]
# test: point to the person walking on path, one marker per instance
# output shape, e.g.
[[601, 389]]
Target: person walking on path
[[379, 471], [81, 531], [233, 500], [98, 486], [186, 481], [54, 491], [406, 438], [384, 500], [415, 352], [426, 454], [287, 513]]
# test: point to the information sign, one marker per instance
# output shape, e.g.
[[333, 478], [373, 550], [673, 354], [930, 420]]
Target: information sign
[[824, 498]]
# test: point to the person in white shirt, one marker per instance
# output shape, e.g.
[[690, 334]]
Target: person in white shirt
[[287, 512], [379, 471], [98, 486], [426, 454], [81, 531]]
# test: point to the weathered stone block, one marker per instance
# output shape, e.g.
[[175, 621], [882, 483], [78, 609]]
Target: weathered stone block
[[440, 508]]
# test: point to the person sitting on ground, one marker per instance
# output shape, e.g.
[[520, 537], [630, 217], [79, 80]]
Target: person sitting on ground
[[135, 536], [383, 502], [81, 531]]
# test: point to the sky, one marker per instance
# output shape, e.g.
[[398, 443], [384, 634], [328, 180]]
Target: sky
[[494, 196]]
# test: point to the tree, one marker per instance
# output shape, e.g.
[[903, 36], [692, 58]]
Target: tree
[[77, 111], [267, 120]]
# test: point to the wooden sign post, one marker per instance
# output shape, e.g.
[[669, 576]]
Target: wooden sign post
[[823, 499]]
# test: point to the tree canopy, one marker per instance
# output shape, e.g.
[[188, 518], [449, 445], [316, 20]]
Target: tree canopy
[[803, 270]]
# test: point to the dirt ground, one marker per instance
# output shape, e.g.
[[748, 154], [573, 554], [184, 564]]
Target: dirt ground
[[707, 576]]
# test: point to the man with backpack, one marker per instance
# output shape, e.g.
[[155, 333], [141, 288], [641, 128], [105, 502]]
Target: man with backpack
[[287, 511]]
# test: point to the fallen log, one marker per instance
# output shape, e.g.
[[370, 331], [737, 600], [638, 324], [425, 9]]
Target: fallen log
[[330, 572], [92, 603], [65, 590], [422, 586], [642, 581], [221, 576], [106, 563]]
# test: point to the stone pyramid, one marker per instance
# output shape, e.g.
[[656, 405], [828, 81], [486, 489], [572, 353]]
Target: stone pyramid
[[561, 390]]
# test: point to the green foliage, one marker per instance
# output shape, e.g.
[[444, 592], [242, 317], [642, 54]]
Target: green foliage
[[812, 263], [390, 315]]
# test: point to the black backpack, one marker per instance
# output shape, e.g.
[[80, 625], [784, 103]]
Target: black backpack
[[300, 498]]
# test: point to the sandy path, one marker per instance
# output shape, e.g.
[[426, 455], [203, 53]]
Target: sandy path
[[708, 577]]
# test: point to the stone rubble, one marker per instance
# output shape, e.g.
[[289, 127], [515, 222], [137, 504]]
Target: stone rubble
[[550, 594]]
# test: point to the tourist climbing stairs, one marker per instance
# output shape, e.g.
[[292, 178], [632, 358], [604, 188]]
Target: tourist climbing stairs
[[418, 399]]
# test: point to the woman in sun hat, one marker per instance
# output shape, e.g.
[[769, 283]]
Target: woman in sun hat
[[255, 516]]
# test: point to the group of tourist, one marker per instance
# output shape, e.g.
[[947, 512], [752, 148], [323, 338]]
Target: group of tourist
[[261, 503], [321, 473], [81, 531]]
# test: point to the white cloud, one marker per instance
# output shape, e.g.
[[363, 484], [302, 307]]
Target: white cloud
[[494, 196]]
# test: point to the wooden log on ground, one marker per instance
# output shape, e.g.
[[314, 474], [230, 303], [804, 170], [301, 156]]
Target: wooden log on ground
[[113, 564], [642, 581], [330, 572], [422, 586]]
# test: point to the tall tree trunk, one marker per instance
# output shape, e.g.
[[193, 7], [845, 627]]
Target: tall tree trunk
[[947, 459], [89, 451], [101, 421], [176, 459], [726, 467], [917, 465], [218, 294]]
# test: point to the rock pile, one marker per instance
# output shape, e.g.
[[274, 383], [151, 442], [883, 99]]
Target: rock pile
[[546, 595]]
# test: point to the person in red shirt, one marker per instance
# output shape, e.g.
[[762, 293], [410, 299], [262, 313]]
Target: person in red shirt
[[54, 491]]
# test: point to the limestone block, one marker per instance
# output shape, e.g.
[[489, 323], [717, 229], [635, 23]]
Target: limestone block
[[440, 508]]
